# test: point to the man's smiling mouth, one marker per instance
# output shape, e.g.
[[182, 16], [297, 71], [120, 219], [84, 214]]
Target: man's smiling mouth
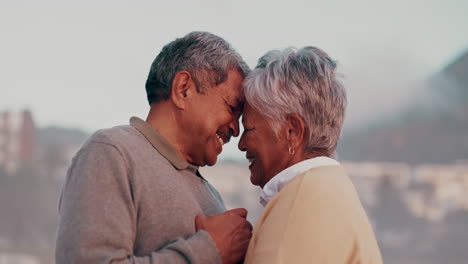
[[222, 137]]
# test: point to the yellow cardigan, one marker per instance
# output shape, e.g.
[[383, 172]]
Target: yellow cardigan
[[315, 218]]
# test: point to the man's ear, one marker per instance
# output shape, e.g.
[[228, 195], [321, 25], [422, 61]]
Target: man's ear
[[295, 130], [182, 87]]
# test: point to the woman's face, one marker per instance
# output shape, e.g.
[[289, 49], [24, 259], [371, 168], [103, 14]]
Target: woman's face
[[267, 153]]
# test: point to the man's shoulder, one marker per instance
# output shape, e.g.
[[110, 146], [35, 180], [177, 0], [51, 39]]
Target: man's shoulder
[[128, 141], [117, 135], [124, 138]]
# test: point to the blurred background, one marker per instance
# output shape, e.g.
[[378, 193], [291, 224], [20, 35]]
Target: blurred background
[[70, 68]]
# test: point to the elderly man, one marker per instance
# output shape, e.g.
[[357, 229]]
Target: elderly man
[[133, 193]]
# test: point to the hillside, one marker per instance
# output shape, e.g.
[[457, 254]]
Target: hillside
[[435, 131]]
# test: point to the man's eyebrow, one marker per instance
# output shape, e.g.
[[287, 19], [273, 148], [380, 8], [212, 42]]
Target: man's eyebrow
[[240, 103], [230, 100], [236, 101]]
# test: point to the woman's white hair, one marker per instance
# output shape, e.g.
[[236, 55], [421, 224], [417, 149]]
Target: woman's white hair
[[303, 82]]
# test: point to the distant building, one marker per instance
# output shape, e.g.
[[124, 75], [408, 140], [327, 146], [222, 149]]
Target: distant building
[[17, 139], [430, 191]]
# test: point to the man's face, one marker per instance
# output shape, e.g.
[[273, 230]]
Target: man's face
[[214, 118], [266, 152]]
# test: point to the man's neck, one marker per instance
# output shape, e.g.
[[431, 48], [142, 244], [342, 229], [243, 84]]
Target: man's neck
[[163, 119]]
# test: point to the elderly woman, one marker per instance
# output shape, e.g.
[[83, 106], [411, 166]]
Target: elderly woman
[[293, 115]]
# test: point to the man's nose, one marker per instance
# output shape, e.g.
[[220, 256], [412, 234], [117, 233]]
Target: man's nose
[[234, 127], [241, 144]]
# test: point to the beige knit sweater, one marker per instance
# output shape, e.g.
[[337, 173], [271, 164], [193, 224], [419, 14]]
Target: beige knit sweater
[[315, 218]]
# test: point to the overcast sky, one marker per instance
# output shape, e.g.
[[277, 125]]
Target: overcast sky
[[84, 63]]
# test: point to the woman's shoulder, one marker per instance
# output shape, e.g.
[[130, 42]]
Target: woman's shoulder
[[319, 186]]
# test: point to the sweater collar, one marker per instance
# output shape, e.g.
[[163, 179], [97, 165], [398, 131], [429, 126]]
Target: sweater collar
[[162, 145], [277, 183]]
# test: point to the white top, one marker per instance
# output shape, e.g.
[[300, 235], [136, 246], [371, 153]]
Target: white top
[[277, 183]]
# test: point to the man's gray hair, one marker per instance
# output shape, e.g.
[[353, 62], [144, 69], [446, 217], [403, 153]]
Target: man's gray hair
[[207, 57], [303, 82]]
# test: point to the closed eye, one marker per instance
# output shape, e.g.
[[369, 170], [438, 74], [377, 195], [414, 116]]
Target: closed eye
[[235, 110]]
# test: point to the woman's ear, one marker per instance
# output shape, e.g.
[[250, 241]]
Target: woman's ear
[[295, 130], [182, 87]]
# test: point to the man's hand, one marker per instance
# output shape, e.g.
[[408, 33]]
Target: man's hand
[[231, 232]]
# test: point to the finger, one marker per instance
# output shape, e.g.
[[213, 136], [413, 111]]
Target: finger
[[244, 235], [242, 212], [242, 246], [199, 219], [248, 225]]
